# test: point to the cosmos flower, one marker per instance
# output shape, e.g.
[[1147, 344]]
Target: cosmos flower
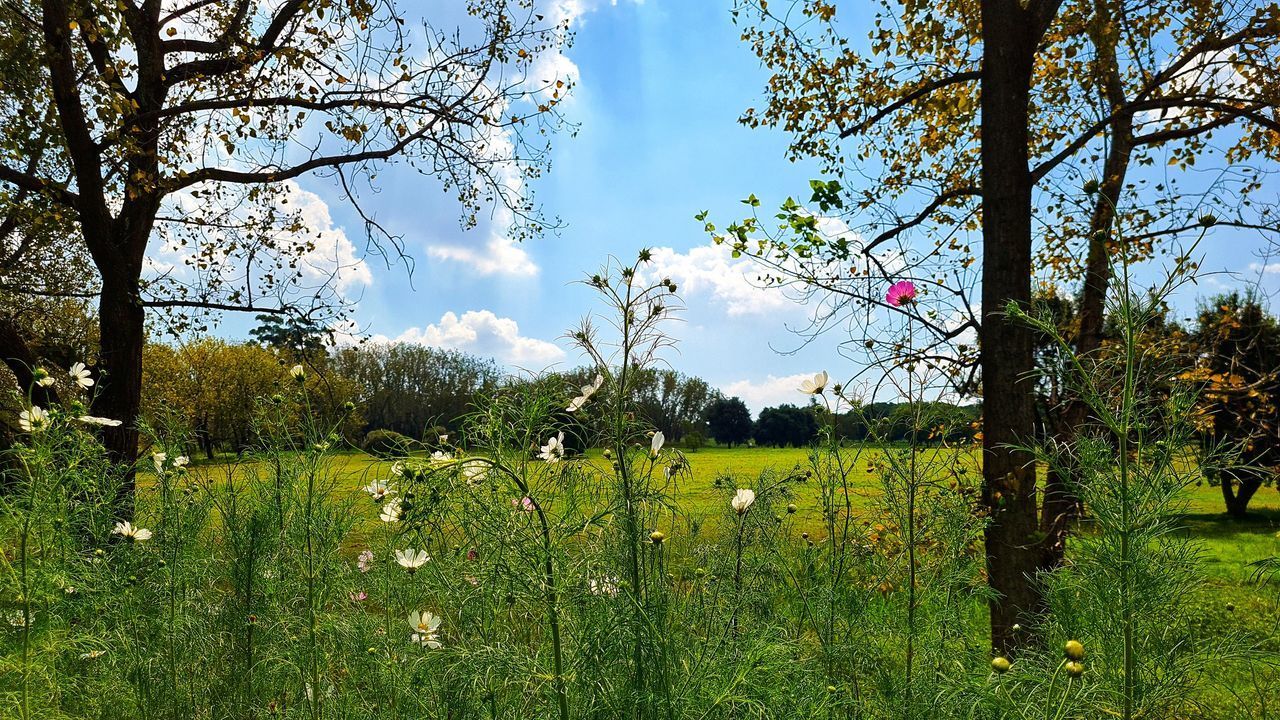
[[901, 293], [655, 445], [297, 372], [127, 530], [742, 500], [587, 391], [412, 559], [43, 378], [524, 504], [181, 461], [364, 560], [606, 586], [474, 472], [379, 490], [358, 596], [426, 629], [33, 420], [157, 459], [554, 449], [816, 385], [99, 421], [391, 511], [92, 654], [80, 376]]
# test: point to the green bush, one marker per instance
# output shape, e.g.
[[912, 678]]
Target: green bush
[[387, 444]]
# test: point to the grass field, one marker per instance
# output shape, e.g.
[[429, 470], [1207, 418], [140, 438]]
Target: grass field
[[1229, 545]]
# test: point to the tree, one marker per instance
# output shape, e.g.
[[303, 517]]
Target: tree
[[786, 425], [729, 421], [189, 122], [1236, 345], [409, 388], [938, 111]]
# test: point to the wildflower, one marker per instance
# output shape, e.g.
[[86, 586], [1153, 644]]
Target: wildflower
[[297, 372], [901, 293], [181, 461], [358, 596], [655, 445], [554, 449], [474, 472], [80, 376], [444, 439], [1000, 664], [391, 512], [1074, 650], [587, 391], [43, 378], [397, 468], [816, 385], [99, 421], [441, 457], [657, 536], [127, 530], [364, 560], [92, 654], [426, 629], [742, 500], [33, 420], [1074, 669], [412, 559], [379, 490], [524, 504], [158, 459], [604, 586]]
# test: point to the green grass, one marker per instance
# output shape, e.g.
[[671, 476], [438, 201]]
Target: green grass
[[1229, 545]]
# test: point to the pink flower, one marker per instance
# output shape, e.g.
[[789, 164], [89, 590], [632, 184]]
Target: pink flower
[[901, 293], [358, 596], [365, 560], [472, 554], [524, 504]]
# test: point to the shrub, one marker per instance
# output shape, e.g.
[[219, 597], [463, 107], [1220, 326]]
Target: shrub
[[387, 443]]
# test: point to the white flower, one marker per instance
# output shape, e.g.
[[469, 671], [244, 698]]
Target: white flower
[[297, 372], [412, 559], [43, 379], [397, 468], [426, 629], [157, 459], [474, 472], [33, 420], [655, 445], [587, 391], [444, 439], [554, 449], [100, 421], [365, 560], [391, 511], [604, 586], [181, 461], [441, 457], [742, 500], [127, 530], [80, 376], [379, 490], [92, 654], [816, 385]]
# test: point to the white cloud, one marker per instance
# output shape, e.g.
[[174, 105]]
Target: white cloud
[[483, 333], [713, 271], [334, 256], [500, 255], [1268, 269], [773, 390]]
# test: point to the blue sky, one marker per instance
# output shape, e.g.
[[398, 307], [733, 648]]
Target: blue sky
[[661, 84]]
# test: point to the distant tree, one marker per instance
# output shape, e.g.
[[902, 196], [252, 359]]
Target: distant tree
[[409, 388], [1237, 349], [673, 402], [729, 421], [786, 425], [300, 336]]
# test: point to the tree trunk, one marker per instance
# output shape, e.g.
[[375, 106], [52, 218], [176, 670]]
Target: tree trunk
[[120, 318], [22, 362], [1237, 499], [1010, 38]]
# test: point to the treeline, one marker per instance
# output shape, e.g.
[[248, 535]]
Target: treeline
[[729, 423]]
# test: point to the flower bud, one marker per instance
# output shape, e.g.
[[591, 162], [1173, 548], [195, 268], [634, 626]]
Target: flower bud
[[1000, 664]]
